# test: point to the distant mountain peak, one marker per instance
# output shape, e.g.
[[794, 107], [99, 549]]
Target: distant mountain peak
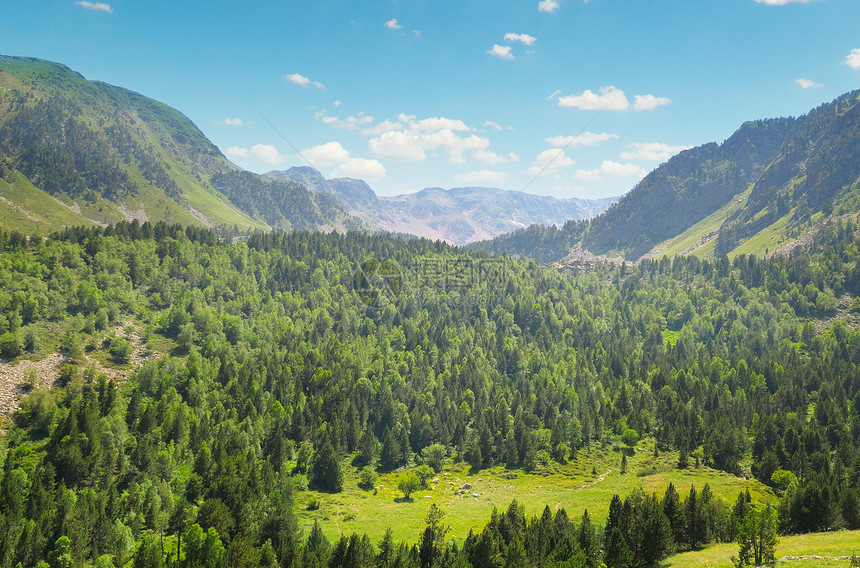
[[458, 215]]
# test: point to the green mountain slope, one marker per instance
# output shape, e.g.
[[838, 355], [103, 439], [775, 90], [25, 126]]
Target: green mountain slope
[[771, 182], [105, 154]]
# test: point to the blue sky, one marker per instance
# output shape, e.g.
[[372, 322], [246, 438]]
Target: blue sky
[[569, 98]]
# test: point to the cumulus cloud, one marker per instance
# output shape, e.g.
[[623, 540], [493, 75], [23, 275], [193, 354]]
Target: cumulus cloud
[[781, 2], [393, 25], [369, 170], [334, 154], [611, 98], [548, 6], [554, 159], [584, 139], [410, 146], [237, 152], [503, 51], [651, 151], [382, 128], [329, 154], [525, 38], [399, 146], [436, 123], [96, 6], [808, 84], [649, 102], [349, 123], [483, 177], [336, 103], [408, 139], [493, 159], [610, 169], [303, 81], [853, 59], [266, 153], [493, 125], [230, 122]]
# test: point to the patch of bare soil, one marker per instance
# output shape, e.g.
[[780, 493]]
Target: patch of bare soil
[[16, 378]]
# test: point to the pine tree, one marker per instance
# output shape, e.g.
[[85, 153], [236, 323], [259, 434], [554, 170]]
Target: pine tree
[[617, 554], [588, 542], [675, 513], [326, 472]]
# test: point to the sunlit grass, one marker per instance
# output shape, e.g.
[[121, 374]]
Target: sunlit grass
[[573, 486]]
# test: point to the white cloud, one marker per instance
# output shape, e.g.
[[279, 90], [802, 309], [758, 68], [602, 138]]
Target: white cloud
[[548, 6], [303, 81], [398, 145], [554, 159], [584, 139], [555, 93], [382, 128], [368, 170], [437, 123], [230, 122], [409, 139], [781, 2], [649, 102], [483, 177], [525, 38], [651, 151], [350, 123], [393, 25], [336, 104], [493, 159], [609, 98], [96, 6], [609, 169], [808, 84], [494, 125], [237, 152], [265, 153], [329, 154], [503, 51], [853, 59]]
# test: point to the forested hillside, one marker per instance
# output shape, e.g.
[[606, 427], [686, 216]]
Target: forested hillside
[[769, 184], [76, 152], [272, 374]]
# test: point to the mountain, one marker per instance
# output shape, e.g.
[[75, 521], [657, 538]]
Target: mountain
[[459, 215], [771, 183], [74, 151]]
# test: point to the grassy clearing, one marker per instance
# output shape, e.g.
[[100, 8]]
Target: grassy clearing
[[835, 544], [587, 483], [768, 239], [33, 209], [707, 226]]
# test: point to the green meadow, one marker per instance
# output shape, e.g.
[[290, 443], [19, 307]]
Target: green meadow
[[588, 482]]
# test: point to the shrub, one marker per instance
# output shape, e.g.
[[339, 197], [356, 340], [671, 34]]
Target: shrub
[[10, 345], [367, 477]]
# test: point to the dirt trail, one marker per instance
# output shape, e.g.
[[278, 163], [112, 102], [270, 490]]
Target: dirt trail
[[587, 485], [595, 482]]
